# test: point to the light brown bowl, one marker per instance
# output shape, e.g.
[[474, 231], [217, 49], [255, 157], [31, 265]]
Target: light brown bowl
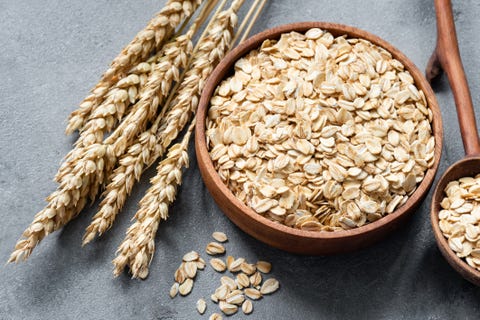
[[281, 236]]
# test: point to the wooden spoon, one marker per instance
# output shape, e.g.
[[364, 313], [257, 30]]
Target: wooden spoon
[[447, 57]]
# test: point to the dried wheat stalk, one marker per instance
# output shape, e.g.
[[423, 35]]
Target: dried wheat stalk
[[142, 152], [148, 148], [117, 101], [79, 177], [138, 248], [160, 80], [66, 202], [140, 155], [159, 29]]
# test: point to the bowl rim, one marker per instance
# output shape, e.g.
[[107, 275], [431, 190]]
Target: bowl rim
[[336, 29]]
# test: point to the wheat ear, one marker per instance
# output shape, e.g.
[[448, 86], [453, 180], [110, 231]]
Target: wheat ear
[[148, 148], [158, 30], [64, 203], [79, 177], [116, 104], [163, 74], [145, 149], [138, 247]]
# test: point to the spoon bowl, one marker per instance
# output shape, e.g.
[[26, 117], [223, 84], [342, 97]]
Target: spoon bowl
[[467, 167], [446, 57]]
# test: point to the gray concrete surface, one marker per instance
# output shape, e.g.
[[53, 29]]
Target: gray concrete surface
[[52, 52]]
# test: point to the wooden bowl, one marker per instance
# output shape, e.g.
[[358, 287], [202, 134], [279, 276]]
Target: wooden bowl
[[468, 167], [281, 236]]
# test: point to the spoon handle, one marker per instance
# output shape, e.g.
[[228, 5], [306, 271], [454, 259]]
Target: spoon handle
[[447, 57]]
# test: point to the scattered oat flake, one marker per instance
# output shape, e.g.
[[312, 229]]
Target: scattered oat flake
[[174, 290], [269, 286], [186, 287], [253, 293], [200, 263], [190, 269], [214, 298], [215, 248], [229, 282], [219, 236], [255, 279], [218, 265], [229, 261], [179, 275], [242, 280], [236, 265], [190, 256], [222, 291], [248, 268], [216, 316], [201, 306], [236, 298], [264, 267], [227, 308], [247, 306]]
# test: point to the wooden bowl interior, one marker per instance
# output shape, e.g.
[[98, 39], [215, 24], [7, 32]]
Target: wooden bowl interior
[[464, 168], [281, 236]]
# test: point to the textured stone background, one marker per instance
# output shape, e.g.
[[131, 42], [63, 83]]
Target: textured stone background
[[51, 54]]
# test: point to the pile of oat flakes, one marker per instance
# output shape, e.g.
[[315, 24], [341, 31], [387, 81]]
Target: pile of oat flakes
[[320, 133], [234, 293], [459, 219]]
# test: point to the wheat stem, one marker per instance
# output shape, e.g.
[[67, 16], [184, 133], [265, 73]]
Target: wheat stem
[[252, 22], [245, 21]]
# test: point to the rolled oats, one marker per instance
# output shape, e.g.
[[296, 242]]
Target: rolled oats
[[459, 219], [330, 134], [247, 306]]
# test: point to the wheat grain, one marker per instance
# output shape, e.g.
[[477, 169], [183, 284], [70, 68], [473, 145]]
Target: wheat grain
[[158, 30]]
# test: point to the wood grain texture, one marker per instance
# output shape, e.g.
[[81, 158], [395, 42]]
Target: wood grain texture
[[283, 237], [446, 57]]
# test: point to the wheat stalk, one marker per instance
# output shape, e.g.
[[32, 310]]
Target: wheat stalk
[[138, 157], [174, 57], [138, 248], [79, 177], [64, 203], [116, 103], [158, 30], [145, 150]]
